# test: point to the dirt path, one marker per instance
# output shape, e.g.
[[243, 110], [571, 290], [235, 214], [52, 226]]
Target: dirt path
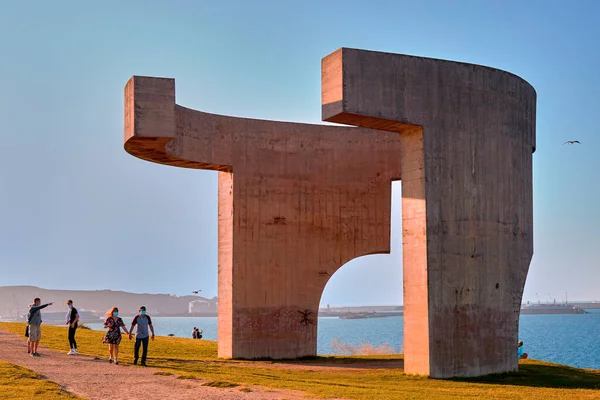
[[89, 378]]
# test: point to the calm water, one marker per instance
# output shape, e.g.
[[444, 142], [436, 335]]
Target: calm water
[[564, 339]]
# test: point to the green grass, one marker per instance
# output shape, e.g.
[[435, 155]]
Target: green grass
[[21, 383], [197, 359]]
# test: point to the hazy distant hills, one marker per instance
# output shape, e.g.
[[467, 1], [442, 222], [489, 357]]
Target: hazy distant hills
[[15, 300]]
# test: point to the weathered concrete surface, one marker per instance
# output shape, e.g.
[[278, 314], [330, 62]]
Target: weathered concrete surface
[[296, 202], [467, 198]]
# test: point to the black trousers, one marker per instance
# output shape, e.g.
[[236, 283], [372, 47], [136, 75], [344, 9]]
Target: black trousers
[[72, 342], [136, 349]]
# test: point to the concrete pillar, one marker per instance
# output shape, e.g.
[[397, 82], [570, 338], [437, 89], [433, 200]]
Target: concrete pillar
[[467, 198]]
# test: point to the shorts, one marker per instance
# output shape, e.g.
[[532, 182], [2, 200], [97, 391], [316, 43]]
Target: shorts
[[35, 333]]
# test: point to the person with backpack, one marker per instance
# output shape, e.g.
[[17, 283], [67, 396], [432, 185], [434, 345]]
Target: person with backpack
[[72, 318], [143, 323], [34, 320]]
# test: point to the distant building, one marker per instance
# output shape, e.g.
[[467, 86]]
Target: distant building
[[198, 306]]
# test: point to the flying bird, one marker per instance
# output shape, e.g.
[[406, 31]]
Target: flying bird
[[196, 291], [572, 142]]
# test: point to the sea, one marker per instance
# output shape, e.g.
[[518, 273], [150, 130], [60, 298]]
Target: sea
[[570, 339]]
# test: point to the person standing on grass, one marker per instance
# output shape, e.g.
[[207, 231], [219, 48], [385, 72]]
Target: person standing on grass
[[34, 318], [72, 318], [113, 337], [143, 323]]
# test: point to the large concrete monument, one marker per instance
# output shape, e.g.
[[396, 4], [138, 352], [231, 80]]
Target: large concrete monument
[[298, 201]]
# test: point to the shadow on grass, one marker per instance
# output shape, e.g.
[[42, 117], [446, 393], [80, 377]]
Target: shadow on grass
[[395, 361], [541, 374], [532, 373]]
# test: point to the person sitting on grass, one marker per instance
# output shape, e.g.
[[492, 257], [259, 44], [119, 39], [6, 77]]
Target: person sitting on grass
[[520, 351]]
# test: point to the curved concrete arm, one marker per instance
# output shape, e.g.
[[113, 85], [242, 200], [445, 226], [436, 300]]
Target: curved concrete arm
[[392, 92], [153, 122]]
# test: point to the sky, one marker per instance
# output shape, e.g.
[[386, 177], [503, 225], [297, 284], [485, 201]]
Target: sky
[[78, 212]]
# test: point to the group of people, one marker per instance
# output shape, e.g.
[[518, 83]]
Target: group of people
[[33, 331], [113, 323], [196, 333]]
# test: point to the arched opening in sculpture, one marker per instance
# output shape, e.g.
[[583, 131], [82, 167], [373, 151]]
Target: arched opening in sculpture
[[371, 282]]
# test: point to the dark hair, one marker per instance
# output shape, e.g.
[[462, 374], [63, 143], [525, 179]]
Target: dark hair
[[37, 299], [143, 308], [69, 301]]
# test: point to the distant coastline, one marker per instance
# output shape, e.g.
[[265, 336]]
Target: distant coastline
[[14, 301]]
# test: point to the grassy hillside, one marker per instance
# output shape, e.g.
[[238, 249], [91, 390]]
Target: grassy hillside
[[21, 383], [373, 377]]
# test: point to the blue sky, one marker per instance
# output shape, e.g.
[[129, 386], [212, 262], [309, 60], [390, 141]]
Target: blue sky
[[77, 212]]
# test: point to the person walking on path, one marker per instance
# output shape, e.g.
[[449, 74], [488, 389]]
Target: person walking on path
[[143, 323], [113, 336], [72, 318], [34, 319]]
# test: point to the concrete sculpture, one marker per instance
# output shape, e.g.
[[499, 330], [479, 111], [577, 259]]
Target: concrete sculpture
[[298, 201]]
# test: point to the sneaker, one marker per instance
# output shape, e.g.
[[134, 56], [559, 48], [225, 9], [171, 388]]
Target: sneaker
[[36, 354], [32, 354], [70, 353], [143, 364], [28, 351], [75, 352], [110, 360], [116, 362], [135, 361]]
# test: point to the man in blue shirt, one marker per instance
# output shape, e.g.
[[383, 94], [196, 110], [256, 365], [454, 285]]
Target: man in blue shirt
[[143, 323]]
